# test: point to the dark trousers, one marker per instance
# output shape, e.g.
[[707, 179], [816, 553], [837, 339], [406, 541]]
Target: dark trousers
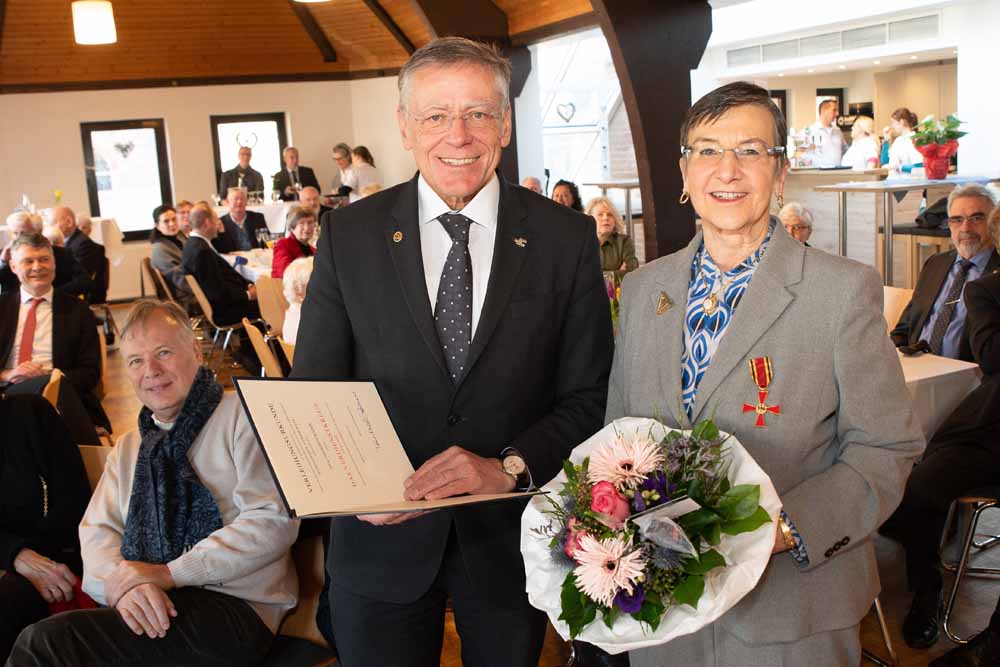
[[20, 606], [373, 632], [210, 629], [70, 407], [943, 475]]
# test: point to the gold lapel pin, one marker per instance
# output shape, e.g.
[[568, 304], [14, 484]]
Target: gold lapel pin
[[664, 304], [397, 237], [520, 242]]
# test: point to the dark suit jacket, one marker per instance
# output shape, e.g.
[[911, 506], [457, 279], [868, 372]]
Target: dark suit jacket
[[225, 289], [76, 350], [282, 181], [71, 277], [536, 376], [286, 251], [232, 241], [252, 181], [91, 256], [929, 283]]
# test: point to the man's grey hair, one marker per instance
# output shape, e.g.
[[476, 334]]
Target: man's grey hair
[[289, 149], [143, 310], [33, 240], [453, 51], [796, 209], [972, 190], [343, 149], [19, 219], [231, 191]]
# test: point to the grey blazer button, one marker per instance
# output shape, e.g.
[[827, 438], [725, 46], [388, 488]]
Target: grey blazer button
[[453, 419], [829, 552], [844, 542]]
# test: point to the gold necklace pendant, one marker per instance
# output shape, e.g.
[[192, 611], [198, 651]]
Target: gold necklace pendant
[[710, 304]]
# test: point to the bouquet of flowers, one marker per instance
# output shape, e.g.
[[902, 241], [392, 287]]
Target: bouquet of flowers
[[613, 285], [657, 531]]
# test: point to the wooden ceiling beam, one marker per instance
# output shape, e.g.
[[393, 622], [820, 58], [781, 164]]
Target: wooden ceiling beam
[[314, 30], [379, 11], [476, 19]]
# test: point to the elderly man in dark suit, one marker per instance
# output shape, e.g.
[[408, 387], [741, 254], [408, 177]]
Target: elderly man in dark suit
[[88, 253], [241, 176], [289, 181], [241, 226], [936, 313], [479, 310], [70, 277], [41, 329]]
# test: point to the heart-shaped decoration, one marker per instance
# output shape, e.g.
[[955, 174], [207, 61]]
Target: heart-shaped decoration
[[566, 111]]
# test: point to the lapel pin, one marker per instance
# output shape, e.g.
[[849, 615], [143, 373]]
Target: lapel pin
[[520, 241], [664, 304], [397, 237]]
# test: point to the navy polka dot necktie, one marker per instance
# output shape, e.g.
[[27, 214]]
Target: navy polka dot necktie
[[453, 311]]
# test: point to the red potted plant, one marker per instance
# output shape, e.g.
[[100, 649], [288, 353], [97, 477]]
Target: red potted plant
[[937, 141]]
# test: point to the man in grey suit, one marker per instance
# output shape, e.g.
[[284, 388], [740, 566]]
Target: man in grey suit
[[742, 326], [242, 175]]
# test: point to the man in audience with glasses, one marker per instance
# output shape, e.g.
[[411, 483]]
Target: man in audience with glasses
[[934, 320]]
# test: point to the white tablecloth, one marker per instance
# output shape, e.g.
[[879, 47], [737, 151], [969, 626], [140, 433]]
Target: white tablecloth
[[258, 263], [937, 385], [274, 213]]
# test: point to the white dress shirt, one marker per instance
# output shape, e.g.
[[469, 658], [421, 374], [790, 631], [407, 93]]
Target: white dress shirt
[[902, 152], [829, 143], [435, 243], [41, 350], [358, 177]]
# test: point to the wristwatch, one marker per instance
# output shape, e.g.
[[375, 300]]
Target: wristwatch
[[514, 465], [786, 534]]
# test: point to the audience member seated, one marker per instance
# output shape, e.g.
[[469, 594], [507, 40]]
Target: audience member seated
[[295, 280], [962, 456], [533, 184], [43, 492], [369, 189], [71, 277], [240, 226], [41, 329], [567, 194], [361, 174], [186, 540], [167, 248], [798, 222], [617, 249], [310, 198], [84, 223], [55, 237], [89, 254], [864, 151], [301, 224], [241, 176], [290, 180], [183, 208], [936, 312]]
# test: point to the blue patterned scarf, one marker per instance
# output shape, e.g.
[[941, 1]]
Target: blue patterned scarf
[[170, 510]]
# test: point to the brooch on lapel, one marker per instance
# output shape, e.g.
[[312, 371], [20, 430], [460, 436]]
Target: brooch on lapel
[[520, 242], [664, 304], [761, 372], [397, 237]]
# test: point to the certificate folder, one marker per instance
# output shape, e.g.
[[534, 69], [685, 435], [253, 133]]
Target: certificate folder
[[332, 449]]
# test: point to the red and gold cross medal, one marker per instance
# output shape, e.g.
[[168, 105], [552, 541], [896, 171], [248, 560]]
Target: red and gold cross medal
[[761, 373]]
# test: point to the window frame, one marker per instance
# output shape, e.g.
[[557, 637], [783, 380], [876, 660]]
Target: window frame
[[214, 121]]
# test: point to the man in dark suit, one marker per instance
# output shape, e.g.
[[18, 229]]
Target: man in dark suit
[[936, 313], [241, 176], [240, 225], [88, 253], [41, 329], [290, 180], [70, 278], [310, 198], [479, 310]]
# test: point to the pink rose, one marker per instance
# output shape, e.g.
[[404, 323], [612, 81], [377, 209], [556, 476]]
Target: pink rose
[[612, 507], [573, 537]]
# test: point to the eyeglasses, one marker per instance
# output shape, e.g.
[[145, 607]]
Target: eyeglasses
[[437, 123], [974, 219], [796, 228], [709, 154]]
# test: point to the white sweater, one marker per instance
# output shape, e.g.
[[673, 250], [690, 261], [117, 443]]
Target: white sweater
[[248, 558]]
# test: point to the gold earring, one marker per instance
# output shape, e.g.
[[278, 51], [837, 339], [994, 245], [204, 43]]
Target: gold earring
[[781, 201], [685, 197]]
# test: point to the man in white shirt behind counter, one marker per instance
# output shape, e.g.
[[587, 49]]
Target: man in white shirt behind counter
[[826, 136]]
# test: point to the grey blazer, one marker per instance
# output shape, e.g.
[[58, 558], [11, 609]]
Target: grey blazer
[[167, 258], [840, 451]]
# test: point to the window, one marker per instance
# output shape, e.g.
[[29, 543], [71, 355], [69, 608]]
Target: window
[[127, 172], [264, 133]]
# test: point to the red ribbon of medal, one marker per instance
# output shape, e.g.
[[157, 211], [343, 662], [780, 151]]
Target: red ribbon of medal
[[761, 372]]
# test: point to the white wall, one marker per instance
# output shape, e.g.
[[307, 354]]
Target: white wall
[[373, 113], [528, 110]]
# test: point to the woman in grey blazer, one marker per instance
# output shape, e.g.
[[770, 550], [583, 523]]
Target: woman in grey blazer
[[785, 347], [166, 254]]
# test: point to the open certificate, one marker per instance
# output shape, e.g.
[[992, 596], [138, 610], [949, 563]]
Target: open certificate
[[332, 449]]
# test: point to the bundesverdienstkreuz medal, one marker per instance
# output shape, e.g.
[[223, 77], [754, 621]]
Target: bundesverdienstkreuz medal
[[761, 372]]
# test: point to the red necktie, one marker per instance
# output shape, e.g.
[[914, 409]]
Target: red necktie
[[28, 335]]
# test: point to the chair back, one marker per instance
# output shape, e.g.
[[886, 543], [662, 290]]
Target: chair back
[[895, 301], [288, 349], [307, 552], [99, 390], [272, 302], [148, 277], [51, 391], [267, 359], [94, 459], [199, 296]]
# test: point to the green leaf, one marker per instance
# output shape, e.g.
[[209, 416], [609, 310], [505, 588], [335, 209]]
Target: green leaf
[[673, 435], [610, 616], [714, 534], [709, 560], [578, 610], [570, 470], [751, 523], [739, 502], [689, 590], [705, 430], [651, 611], [696, 521]]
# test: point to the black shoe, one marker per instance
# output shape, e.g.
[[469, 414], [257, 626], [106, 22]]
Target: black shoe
[[982, 651], [588, 655], [920, 627]]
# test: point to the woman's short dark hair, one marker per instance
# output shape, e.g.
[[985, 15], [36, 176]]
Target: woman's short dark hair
[[717, 103], [365, 154], [904, 115], [573, 190]]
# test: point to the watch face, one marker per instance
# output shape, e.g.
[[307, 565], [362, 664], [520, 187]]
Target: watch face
[[514, 465]]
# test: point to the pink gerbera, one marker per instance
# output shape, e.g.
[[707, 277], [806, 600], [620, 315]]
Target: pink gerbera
[[625, 462], [607, 566]]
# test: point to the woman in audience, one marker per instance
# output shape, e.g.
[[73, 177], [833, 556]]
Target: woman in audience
[[903, 155], [798, 221], [43, 494], [295, 280], [617, 249], [167, 246], [301, 225], [362, 172], [864, 150], [567, 194]]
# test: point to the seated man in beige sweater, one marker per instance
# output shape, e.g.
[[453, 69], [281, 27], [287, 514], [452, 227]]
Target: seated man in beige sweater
[[186, 539]]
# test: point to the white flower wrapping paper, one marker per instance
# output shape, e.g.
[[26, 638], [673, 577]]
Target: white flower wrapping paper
[[746, 555]]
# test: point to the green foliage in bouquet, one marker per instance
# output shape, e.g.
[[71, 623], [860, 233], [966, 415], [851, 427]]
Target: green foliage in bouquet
[[933, 131]]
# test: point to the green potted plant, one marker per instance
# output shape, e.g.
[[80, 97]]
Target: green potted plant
[[937, 141]]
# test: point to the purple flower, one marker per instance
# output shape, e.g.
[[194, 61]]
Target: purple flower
[[630, 604]]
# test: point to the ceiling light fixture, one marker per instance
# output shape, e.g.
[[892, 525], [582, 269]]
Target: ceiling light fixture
[[876, 62], [913, 57], [94, 22], [811, 71], [781, 74], [841, 66]]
